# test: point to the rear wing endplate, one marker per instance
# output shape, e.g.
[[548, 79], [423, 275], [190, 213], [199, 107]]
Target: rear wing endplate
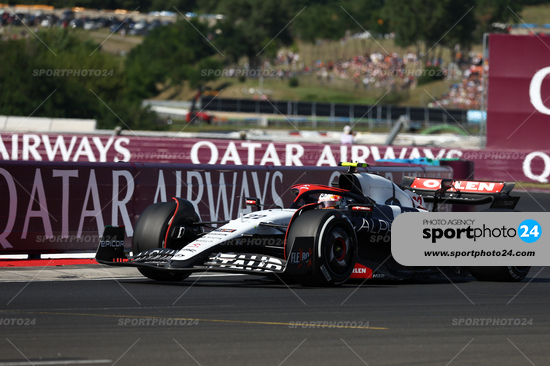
[[465, 192]]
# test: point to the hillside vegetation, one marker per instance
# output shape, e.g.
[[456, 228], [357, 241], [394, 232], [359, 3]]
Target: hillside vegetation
[[170, 62]]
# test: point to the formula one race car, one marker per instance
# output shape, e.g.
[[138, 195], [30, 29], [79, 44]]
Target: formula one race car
[[328, 235]]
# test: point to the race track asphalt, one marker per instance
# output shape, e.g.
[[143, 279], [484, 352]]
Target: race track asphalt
[[84, 315]]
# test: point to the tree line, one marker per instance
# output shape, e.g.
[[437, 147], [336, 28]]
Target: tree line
[[56, 73]]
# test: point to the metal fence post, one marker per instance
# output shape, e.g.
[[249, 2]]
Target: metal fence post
[[371, 120], [426, 117], [314, 114], [332, 114]]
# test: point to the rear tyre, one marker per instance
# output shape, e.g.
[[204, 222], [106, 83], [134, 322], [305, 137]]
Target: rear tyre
[[334, 246], [499, 274]]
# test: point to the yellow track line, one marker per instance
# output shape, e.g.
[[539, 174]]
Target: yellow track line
[[305, 324]]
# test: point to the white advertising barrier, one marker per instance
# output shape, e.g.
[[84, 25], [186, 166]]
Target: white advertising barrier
[[472, 239]]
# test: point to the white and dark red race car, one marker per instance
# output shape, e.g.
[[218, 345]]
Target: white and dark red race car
[[328, 235]]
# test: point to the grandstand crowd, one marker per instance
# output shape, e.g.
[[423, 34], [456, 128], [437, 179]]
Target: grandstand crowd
[[397, 72]]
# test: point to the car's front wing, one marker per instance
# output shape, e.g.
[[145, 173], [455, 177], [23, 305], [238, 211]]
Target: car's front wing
[[111, 252]]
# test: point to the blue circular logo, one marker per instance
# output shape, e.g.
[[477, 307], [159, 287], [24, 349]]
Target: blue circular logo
[[529, 231]]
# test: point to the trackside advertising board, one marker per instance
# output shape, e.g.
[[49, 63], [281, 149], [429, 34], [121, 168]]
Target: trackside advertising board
[[490, 164], [518, 110], [50, 207]]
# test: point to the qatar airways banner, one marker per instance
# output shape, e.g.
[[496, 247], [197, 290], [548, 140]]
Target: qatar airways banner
[[490, 164], [518, 110], [62, 207]]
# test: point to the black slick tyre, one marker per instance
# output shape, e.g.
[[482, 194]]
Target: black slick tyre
[[151, 233], [499, 274], [151, 227], [334, 246]]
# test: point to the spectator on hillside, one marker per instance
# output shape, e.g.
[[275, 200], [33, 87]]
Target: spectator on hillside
[[468, 93]]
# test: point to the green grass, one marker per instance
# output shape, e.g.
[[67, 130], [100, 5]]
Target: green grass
[[309, 89], [337, 50], [538, 14], [425, 94], [113, 43]]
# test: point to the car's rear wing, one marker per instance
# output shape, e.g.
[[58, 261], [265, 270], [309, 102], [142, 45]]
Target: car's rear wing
[[465, 192]]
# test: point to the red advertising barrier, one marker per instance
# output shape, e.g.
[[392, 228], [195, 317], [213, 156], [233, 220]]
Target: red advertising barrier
[[490, 164], [49, 207], [518, 111]]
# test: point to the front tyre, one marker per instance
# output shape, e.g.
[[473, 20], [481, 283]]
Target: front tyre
[[499, 274], [334, 246], [150, 230], [166, 225], [156, 228]]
